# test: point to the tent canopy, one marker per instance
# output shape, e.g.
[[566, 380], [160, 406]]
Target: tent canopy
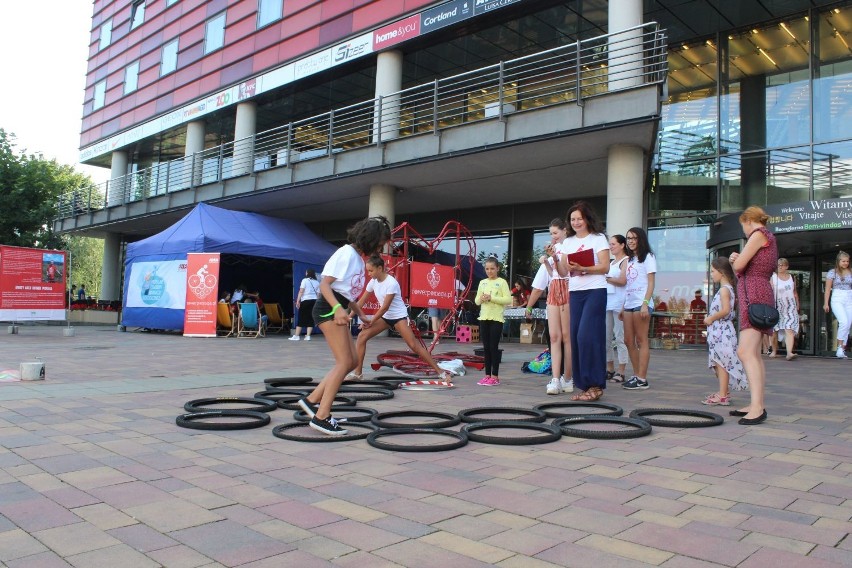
[[213, 229]]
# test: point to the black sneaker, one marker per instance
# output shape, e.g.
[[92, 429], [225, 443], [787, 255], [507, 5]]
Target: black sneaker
[[307, 407], [634, 383], [327, 426]]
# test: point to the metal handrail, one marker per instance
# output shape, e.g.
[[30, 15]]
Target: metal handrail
[[565, 74]]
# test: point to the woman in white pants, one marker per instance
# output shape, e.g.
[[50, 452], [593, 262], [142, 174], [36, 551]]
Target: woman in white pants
[[616, 279], [838, 287]]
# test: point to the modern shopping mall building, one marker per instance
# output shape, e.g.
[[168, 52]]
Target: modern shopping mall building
[[672, 115]]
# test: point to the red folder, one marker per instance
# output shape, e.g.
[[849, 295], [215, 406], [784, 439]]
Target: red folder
[[583, 257]]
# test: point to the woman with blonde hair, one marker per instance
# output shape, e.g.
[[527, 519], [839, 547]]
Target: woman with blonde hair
[[754, 266], [838, 287]]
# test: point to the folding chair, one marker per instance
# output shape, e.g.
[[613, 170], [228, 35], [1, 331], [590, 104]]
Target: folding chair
[[276, 319], [226, 325], [249, 323]]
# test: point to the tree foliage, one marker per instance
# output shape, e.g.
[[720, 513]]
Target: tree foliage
[[85, 263], [29, 190]]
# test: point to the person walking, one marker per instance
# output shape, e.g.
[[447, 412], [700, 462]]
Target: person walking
[[342, 283], [392, 314], [753, 267], [722, 337], [588, 299], [305, 300], [558, 311], [616, 280], [492, 296], [787, 302], [838, 287], [641, 277]]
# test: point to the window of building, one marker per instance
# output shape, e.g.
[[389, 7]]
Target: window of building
[[105, 35], [137, 14], [131, 77], [100, 95], [169, 60], [268, 11], [214, 34]]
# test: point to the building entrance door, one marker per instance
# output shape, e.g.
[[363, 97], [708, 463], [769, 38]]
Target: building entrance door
[[802, 271]]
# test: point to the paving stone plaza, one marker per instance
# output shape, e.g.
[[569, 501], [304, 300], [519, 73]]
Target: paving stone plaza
[[95, 473]]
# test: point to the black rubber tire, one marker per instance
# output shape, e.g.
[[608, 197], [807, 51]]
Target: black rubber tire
[[339, 400], [531, 415], [636, 427], [256, 404], [460, 440], [288, 381], [280, 432], [391, 381], [711, 418], [447, 420], [366, 393], [279, 394], [368, 414], [194, 420], [609, 409], [551, 433], [370, 384]]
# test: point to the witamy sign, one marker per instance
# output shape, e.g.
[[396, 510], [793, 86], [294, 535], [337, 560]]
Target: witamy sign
[[826, 214]]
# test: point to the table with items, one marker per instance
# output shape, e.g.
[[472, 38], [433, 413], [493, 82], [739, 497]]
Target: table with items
[[516, 316]]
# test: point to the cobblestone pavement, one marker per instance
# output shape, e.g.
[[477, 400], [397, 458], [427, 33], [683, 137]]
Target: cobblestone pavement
[[94, 472]]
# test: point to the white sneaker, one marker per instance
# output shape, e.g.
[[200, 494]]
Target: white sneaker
[[841, 354], [294, 338], [566, 386], [308, 338], [553, 387]]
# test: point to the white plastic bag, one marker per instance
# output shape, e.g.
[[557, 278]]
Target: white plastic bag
[[455, 366]]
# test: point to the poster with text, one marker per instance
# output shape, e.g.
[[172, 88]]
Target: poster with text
[[432, 285], [157, 284], [202, 289], [32, 284]]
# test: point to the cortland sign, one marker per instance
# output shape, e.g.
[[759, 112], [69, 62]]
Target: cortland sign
[[822, 215], [446, 15]]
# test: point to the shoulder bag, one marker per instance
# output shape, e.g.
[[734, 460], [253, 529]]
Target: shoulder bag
[[761, 316]]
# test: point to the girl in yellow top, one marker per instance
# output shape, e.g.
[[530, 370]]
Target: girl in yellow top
[[492, 296]]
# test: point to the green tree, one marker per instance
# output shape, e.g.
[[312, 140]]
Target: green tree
[[30, 187], [85, 264]]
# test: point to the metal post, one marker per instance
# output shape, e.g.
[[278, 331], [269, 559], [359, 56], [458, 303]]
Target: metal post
[[579, 98], [221, 159], [500, 94], [379, 120], [289, 143], [435, 109], [330, 133]]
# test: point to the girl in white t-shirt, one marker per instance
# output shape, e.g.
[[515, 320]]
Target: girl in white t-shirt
[[558, 315], [636, 314], [341, 284], [391, 314], [305, 300], [588, 299]]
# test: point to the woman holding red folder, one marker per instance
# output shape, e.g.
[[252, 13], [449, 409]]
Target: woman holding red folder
[[586, 259]]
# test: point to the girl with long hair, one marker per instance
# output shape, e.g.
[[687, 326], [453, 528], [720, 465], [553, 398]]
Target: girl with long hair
[[838, 287], [722, 337], [558, 313], [636, 313], [616, 280]]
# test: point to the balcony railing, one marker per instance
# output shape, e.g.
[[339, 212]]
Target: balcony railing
[[566, 74]]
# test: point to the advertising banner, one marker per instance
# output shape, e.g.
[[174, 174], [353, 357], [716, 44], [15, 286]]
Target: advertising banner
[[432, 285], [396, 32], [32, 284], [818, 215], [202, 290], [446, 14], [483, 6], [157, 284]]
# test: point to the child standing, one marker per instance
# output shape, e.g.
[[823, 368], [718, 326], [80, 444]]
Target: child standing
[[391, 314], [342, 283], [722, 337], [492, 296]]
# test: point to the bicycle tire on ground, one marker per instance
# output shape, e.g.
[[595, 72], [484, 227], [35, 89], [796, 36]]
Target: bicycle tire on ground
[[372, 383], [195, 420], [530, 415], [366, 393], [460, 440], [339, 400], [256, 404], [366, 414], [608, 409], [286, 381], [382, 419], [635, 428], [709, 418], [365, 427], [550, 433]]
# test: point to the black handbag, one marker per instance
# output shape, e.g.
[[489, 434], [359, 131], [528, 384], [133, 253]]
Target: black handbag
[[761, 316]]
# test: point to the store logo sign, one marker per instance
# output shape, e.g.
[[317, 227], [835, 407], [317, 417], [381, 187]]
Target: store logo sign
[[446, 15]]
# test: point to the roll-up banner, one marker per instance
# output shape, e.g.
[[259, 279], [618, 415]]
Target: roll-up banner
[[202, 289]]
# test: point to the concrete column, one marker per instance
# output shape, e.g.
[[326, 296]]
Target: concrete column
[[110, 267], [195, 131], [388, 83], [624, 53], [382, 201], [118, 184], [624, 188], [244, 131]]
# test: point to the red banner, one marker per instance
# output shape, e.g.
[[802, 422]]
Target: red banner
[[32, 283], [202, 289], [432, 285]]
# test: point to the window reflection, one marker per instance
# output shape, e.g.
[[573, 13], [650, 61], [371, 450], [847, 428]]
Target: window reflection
[[833, 77], [833, 170]]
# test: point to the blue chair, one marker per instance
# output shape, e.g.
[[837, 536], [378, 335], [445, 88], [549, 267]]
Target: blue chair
[[249, 323]]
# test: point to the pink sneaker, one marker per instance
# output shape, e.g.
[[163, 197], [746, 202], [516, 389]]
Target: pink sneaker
[[489, 382]]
